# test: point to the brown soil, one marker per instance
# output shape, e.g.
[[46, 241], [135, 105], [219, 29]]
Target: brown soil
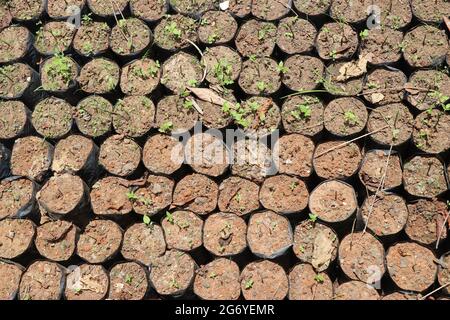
[[173, 116], [193, 8], [129, 37], [240, 8], [336, 41], [238, 196], [134, 116], [388, 214], [349, 11], [424, 176], [218, 280], [386, 81], [306, 120], [333, 201], [270, 9], [59, 9], [180, 71], [303, 72], [260, 76], [340, 163], [11, 274], [54, 37], [395, 14], [260, 117], [100, 241], [295, 35], [444, 272], [214, 116], [284, 194], [31, 157], [256, 38], [64, 195], [182, 230], [94, 116], [16, 197], [383, 45], [140, 77], [163, 154], [315, 244], [431, 130], [435, 81], [73, 154], [312, 7], [43, 280], [399, 121], [99, 76], [269, 235], [223, 65], [425, 46], [360, 254], [120, 156], [52, 118], [24, 11], [306, 284], [103, 8], [149, 10], [294, 154], [16, 237], [143, 243], [426, 221], [52, 78], [173, 31], [355, 290], [92, 38], [128, 281], [336, 85], [252, 160], [373, 170], [87, 282], [15, 79], [173, 273], [56, 240], [224, 234], [207, 154], [217, 27], [196, 193], [14, 43], [154, 196], [400, 296], [109, 197], [264, 280], [6, 17], [15, 119], [411, 266], [430, 11], [345, 117]]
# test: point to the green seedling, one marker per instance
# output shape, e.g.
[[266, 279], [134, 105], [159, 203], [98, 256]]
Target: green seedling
[[249, 284], [281, 68], [350, 118], [261, 85], [364, 34], [166, 127], [172, 28], [169, 217], [128, 279], [132, 196], [312, 217], [223, 72], [319, 278]]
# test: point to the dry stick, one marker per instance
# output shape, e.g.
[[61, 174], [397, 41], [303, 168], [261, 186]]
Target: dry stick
[[442, 229], [434, 291], [348, 142], [380, 187], [205, 71], [117, 20]]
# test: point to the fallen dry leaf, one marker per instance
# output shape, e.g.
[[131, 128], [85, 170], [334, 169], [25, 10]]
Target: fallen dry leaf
[[354, 68], [208, 95], [377, 97], [323, 250]]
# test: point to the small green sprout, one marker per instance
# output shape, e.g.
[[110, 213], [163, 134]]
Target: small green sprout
[[319, 278], [364, 34], [169, 217], [281, 68], [312, 217], [350, 118], [166, 127], [249, 284]]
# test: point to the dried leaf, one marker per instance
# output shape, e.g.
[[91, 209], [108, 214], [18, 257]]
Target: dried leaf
[[323, 250], [224, 5], [354, 68], [377, 97], [208, 95], [409, 87]]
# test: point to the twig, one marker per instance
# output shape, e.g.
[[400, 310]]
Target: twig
[[205, 70], [434, 291], [348, 142], [442, 229], [304, 92]]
